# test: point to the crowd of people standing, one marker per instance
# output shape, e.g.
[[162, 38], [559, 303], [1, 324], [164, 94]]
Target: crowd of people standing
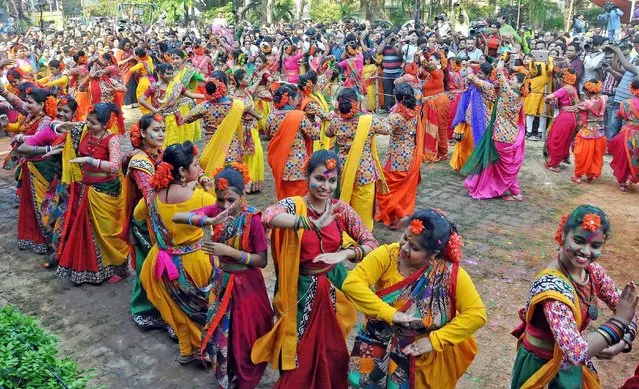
[[175, 208]]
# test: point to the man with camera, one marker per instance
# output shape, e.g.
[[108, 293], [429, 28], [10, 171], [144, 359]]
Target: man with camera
[[392, 66], [611, 20]]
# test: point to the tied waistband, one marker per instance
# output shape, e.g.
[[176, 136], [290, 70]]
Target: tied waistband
[[164, 262], [315, 271], [538, 342]]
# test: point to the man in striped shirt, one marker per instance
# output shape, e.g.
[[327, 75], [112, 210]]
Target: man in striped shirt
[[392, 66]]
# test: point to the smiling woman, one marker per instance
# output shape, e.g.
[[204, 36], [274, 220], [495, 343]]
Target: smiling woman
[[553, 350]]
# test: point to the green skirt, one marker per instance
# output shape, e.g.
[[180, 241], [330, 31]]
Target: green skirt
[[527, 364]]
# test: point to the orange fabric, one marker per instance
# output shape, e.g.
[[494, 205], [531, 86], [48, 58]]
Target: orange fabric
[[292, 189], [280, 146], [399, 202], [434, 84], [431, 132], [589, 155]]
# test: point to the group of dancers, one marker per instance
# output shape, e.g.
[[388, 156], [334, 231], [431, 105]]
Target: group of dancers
[[96, 211]]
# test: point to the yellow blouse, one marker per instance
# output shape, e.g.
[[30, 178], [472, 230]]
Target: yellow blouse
[[379, 269], [181, 234]]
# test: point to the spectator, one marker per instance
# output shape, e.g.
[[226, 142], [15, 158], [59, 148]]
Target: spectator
[[579, 25], [410, 48], [611, 19], [593, 60], [471, 51], [392, 66], [507, 29], [622, 92]]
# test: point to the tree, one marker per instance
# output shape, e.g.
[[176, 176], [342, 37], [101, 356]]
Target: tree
[[325, 11]]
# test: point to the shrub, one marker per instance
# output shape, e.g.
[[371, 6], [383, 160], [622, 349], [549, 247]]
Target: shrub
[[29, 356]]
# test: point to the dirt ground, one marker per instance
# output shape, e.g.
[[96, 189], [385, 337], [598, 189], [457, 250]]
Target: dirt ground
[[506, 244]]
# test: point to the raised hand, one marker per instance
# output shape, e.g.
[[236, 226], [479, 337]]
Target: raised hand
[[625, 309]]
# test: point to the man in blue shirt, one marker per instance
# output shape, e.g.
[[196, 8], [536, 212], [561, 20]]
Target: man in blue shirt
[[612, 20]]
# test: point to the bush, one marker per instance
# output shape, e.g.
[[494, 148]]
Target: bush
[[323, 11], [29, 356]]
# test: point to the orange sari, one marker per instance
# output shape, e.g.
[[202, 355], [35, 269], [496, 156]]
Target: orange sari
[[278, 149]]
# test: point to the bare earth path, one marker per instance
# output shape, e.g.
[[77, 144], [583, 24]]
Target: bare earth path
[[506, 244]]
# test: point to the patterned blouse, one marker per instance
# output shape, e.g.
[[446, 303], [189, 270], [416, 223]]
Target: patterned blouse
[[562, 321], [592, 117], [346, 218], [314, 110], [506, 128], [212, 114], [402, 143], [299, 153], [488, 96], [344, 130], [248, 122]]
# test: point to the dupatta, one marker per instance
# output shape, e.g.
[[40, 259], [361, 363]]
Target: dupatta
[[280, 146], [215, 152], [472, 98], [485, 153]]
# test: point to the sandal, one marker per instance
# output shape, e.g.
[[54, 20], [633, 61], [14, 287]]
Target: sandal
[[576, 180], [623, 187], [552, 169], [186, 359], [518, 198]]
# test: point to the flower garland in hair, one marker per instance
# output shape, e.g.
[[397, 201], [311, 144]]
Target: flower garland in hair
[[83, 59], [416, 227], [559, 235], [591, 222], [163, 176], [62, 66], [221, 184], [593, 87], [453, 250], [330, 164], [51, 106], [220, 90], [284, 100], [136, 136], [406, 112], [568, 78], [352, 52], [198, 51], [242, 168], [113, 121], [525, 87], [10, 77], [633, 91], [411, 68], [352, 113]]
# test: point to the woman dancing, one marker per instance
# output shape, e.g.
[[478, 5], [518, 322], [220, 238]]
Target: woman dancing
[[143, 73], [493, 166], [90, 248], [176, 270], [290, 130], [186, 77], [147, 136], [436, 100], [261, 80], [355, 141], [590, 143], [401, 170], [425, 308], [311, 310], [315, 107], [553, 347], [563, 127], [239, 309], [624, 147]]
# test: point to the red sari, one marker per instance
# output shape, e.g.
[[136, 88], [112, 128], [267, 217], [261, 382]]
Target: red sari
[[563, 126], [624, 147]]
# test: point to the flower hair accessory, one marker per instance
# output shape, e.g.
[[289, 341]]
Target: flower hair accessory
[[196, 150], [454, 67], [591, 222], [453, 250], [330, 164], [525, 87], [163, 176], [220, 90], [416, 227], [308, 87], [593, 87], [284, 100], [51, 106], [568, 78], [350, 114], [559, 235], [63, 101], [113, 121], [29, 90], [136, 136], [158, 118], [352, 51], [10, 77], [221, 184], [82, 60]]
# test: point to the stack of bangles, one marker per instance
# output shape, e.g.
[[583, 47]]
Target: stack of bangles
[[303, 222], [359, 253], [246, 258], [92, 160], [199, 220], [614, 331]]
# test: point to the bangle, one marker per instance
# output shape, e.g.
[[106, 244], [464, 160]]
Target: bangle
[[190, 218], [615, 327], [296, 223], [201, 223], [619, 324], [47, 149], [605, 336], [614, 338], [354, 259], [628, 342]]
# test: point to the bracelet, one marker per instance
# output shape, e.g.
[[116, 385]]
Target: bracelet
[[353, 260], [619, 324], [619, 330], [605, 336], [614, 337], [190, 218], [246, 258], [628, 342], [91, 161], [201, 223], [47, 149]]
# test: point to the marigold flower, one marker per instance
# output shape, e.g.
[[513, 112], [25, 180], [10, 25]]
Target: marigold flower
[[221, 184], [331, 164], [416, 227], [591, 222]]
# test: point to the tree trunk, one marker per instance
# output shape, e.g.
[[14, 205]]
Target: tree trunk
[[269, 11]]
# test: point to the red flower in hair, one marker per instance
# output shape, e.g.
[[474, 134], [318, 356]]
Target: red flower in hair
[[158, 118], [416, 227], [591, 222], [453, 249], [406, 112], [51, 106], [113, 122], [196, 150], [221, 184], [163, 176], [64, 101], [331, 164], [284, 100], [29, 90], [220, 90], [559, 235], [136, 136], [10, 77], [351, 114]]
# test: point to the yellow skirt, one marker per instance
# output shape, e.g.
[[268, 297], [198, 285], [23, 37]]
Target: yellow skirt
[[143, 85], [463, 149], [363, 202], [172, 131], [324, 143], [198, 266], [442, 370], [191, 131], [255, 164], [262, 107]]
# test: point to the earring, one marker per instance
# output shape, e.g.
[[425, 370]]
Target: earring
[[182, 180]]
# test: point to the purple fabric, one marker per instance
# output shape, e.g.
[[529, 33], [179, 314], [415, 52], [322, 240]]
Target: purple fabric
[[472, 96], [501, 176]]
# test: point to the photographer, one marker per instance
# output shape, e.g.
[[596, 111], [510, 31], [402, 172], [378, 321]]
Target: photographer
[[410, 48], [611, 20], [392, 66], [623, 89]]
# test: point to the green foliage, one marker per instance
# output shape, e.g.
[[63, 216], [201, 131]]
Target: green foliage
[[283, 10], [226, 10], [102, 8], [477, 12], [71, 8], [29, 356], [325, 11]]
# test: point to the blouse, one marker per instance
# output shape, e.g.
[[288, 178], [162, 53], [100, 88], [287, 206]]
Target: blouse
[[297, 156], [506, 128], [402, 142]]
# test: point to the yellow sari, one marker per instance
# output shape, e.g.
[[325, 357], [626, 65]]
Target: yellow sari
[[324, 143], [215, 151], [187, 131]]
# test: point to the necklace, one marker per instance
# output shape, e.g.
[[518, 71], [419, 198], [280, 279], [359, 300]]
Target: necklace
[[317, 231], [593, 311], [94, 143]]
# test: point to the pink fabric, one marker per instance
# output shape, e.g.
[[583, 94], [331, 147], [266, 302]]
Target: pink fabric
[[165, 263], [44, 137], [501, 176], [563, 97], [290, 66], [560, 137]]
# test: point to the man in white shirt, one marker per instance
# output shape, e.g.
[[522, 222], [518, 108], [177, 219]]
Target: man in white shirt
[[471, 51], [409, 50]]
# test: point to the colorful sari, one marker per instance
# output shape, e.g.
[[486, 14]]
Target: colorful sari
[[252, 151], [311, 310], [176, 270], [531, 371], [562, 128], [399, 202], [624, 147], [216, 150], [187, 77], [429, 294], [277, 155], [101, 90], [90, 249], [590, 142], [143, 72], [469, 123], [239, 309], [167, 101], [324, 143], [128, 80], [454, 93]]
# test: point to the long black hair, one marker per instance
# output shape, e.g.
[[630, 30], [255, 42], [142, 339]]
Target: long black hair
[[179, 155], [103, 111], [437, 230], [405, 95], [345, 100]]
